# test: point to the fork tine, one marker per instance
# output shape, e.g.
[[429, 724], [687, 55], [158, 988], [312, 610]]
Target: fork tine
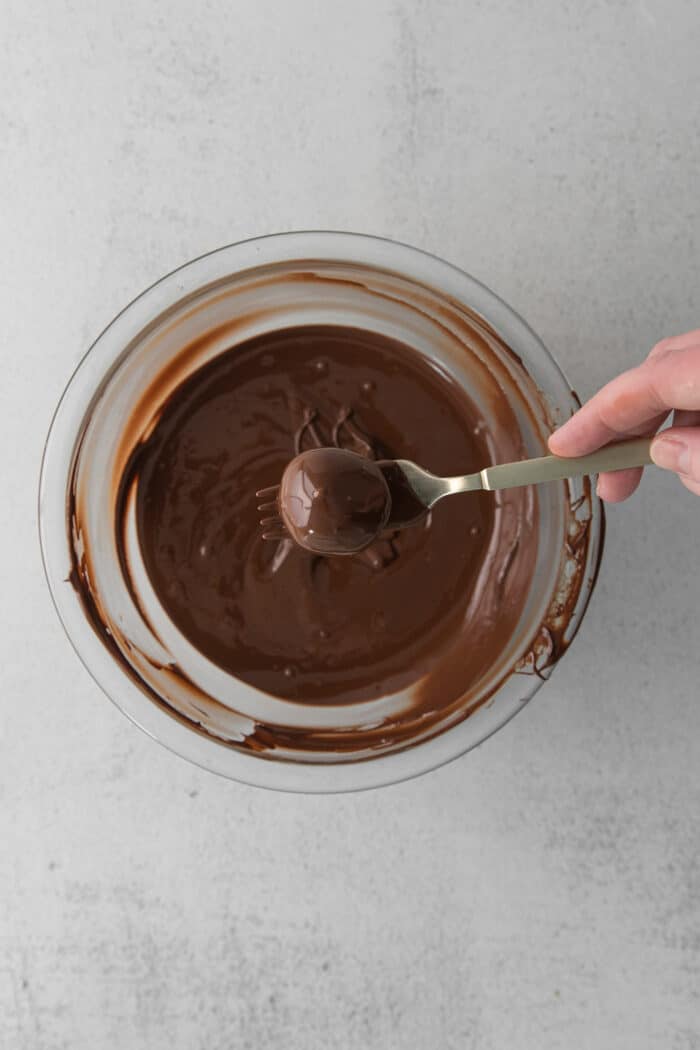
[[272, 520], [263, 507], [269, 493], [276, 534]]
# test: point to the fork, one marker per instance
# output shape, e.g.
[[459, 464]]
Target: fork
[[414, 490], [428, 488]]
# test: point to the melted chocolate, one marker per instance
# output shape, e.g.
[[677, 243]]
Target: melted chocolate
[[289, 622]]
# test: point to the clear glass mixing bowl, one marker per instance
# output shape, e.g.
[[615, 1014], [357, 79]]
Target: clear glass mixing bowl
[[142, 662]]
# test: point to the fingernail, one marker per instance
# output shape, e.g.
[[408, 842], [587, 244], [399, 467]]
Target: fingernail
[[671, 454]]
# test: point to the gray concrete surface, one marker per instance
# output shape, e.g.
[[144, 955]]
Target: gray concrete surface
[[544, 891]]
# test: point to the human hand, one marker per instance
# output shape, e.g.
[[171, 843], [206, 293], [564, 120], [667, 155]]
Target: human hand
[[637, 402]]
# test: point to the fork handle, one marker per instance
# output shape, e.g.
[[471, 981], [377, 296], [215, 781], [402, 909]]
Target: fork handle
[[623, 454]]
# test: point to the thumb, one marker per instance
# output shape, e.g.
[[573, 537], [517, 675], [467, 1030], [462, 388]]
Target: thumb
[[678, 449]]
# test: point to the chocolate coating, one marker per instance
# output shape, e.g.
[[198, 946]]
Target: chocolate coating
[[334, 501]]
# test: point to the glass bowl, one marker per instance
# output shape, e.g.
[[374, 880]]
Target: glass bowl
[[207, 306]]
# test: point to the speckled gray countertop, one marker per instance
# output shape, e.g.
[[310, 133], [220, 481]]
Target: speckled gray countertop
[[544, 891]]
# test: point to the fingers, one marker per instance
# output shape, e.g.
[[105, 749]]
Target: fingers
[[620, 484], [636, 402], [678, 449]]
